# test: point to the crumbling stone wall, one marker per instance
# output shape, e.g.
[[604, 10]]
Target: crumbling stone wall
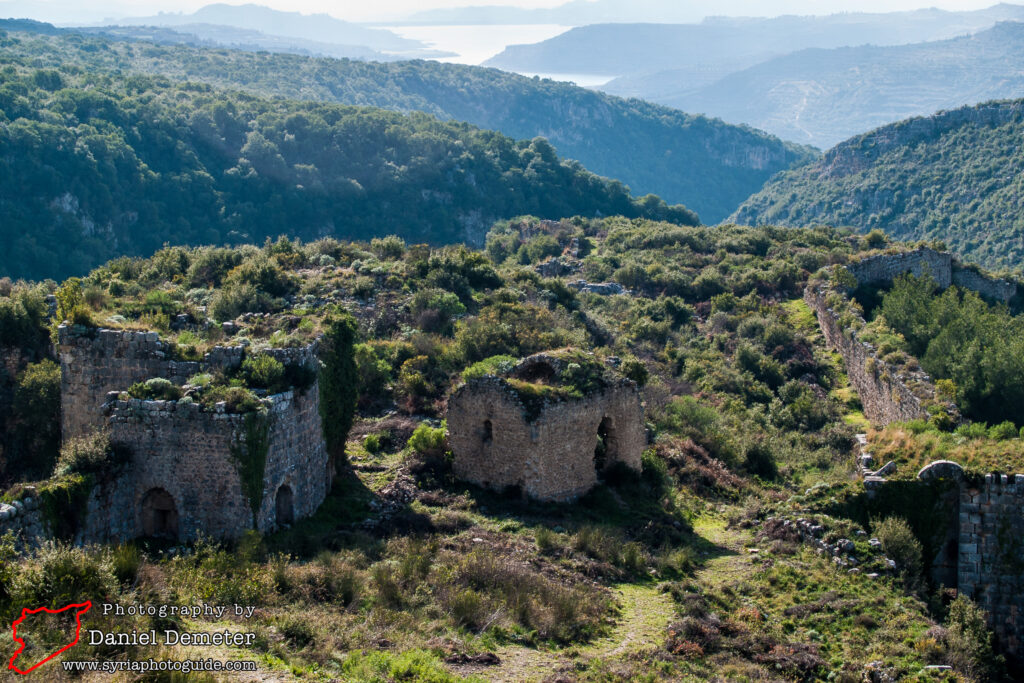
[[549, 458], [95, 362], [885, 393], [24, 519], [882, 269], [991, 563], [190, 453], [889, 393]]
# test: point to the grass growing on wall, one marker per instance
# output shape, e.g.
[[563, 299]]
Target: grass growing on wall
[[251, 458]]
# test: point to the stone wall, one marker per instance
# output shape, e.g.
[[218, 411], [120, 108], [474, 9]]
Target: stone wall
[[24, 519], [987, 531], [885, 394], [883, 269], [551, 457], [96, 362], [990, 288], [889, 393], [991, 562], [187, 452]]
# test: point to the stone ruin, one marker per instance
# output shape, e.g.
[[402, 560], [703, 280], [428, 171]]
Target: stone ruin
[[507, 432], [189, 471], [889, 393]]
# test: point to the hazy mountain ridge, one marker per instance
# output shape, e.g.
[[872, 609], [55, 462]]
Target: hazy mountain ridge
[[956, 176], [639, 49], [822, 97], [707, 165], [321, 28]]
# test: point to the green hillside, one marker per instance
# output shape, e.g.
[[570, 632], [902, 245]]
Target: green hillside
[[954, 177], [97, 166], [706, 164]]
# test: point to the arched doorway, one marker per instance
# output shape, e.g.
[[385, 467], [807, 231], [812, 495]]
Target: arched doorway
[[604, 450], [285, 511], [159, 514]]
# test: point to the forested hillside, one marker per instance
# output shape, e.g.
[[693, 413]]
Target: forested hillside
[[822, 97], [955, 177], [706, 164], [99, 165]]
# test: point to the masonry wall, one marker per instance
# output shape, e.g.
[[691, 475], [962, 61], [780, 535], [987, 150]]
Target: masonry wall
[[990, 288], [885, 395], [550, 458], [991, 562], [187, 452], [884, 268], [24, 519], [96, 362]]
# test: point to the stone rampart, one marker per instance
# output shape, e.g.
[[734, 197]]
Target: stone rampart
[[24, 520], [885, 394], [552, 456], [892, 393], [96, 362], [186, 477], [991, 559], [883, 269]]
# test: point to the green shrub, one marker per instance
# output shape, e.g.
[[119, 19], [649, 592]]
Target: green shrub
[[973, 430], [372, 443], [495, 365], [901, 546], [236, 399], [548, 542], [155, 389], [429, 441], [1003, 431], [88, 454], [970, 642], [34, 432], [263, 371]]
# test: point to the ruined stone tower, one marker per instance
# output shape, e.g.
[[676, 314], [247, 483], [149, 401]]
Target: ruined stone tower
[[551, 427]]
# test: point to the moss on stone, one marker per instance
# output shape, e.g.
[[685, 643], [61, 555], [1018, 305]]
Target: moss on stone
[[250, 457]]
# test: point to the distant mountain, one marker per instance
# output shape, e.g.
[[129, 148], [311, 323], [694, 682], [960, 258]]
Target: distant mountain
[[213, 35], [957, 176], [582, 12], [721, 45], [821, 97], [320, 28], [703, 163]]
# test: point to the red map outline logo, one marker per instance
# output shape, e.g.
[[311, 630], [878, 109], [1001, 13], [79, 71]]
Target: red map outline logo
[[85, 607]]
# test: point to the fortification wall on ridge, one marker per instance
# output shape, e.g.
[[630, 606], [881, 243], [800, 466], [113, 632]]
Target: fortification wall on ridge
[[884, 394], [885, 268]]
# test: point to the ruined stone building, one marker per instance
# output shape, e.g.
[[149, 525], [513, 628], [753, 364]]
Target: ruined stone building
[[190, 471], [534, 430]]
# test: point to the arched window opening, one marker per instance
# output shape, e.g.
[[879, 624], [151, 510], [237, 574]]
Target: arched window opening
[[283, 506], [159, 514]]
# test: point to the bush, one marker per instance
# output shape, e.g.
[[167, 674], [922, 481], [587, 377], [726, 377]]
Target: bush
[[429, 441], [900, 544], [1003, 431], [87, 454], [372, 444], [236, 399], [970, 642], [155, 389], [495, 365], [34, 433], [263, 371]]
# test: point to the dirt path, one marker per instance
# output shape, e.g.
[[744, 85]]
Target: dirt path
[[642, 623]]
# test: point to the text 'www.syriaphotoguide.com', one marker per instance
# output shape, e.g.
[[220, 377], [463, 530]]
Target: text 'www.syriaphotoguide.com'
[[149, 665]]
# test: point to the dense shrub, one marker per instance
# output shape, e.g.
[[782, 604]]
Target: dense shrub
[[339, 384], [155, 389], [900, 544], [88, 454]]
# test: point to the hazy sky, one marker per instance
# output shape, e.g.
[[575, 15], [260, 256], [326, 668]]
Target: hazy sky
[[64, 11]]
